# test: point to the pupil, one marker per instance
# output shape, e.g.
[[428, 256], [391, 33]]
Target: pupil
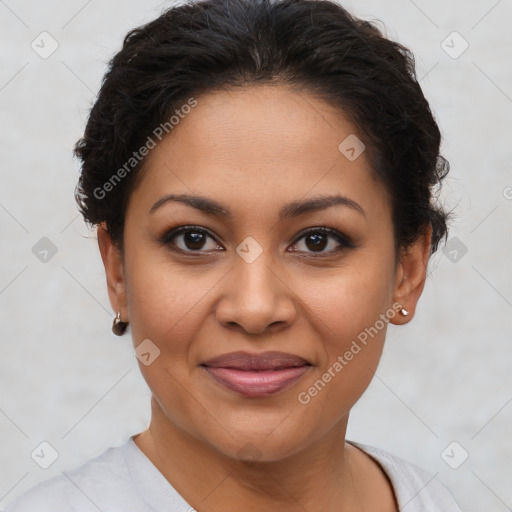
[[191, 239], [319, 241]]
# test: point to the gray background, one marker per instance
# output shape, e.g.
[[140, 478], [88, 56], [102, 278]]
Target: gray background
[[67, 380]]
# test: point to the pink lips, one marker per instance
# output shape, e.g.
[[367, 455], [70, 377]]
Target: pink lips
[[257, 375]]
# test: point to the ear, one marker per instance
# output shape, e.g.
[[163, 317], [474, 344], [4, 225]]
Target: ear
[[114, 271], [411, 275]]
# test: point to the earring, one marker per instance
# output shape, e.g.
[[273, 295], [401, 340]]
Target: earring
[[119, 327], [404, 312]]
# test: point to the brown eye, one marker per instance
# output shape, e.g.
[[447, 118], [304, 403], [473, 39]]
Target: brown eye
[[194, 240], [317, 240], [190, 239]]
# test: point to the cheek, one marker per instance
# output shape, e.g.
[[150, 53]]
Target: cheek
[[166, 301], [350, 299], [350, 312], [352, 325], [166, 305]]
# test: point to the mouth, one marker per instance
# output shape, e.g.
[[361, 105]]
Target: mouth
[[257, 375]]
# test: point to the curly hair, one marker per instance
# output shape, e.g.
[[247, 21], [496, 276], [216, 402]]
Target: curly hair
[[314, 45]]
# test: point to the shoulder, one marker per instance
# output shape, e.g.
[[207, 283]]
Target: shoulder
[[83, 489], [414, 487]]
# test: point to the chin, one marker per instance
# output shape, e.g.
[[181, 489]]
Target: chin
[[264, 444]]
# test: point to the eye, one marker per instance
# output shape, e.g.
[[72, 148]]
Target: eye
[[193, 239], [189, 239], [317, 239]]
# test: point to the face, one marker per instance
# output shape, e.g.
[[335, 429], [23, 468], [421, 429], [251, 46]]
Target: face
[[289, 250]]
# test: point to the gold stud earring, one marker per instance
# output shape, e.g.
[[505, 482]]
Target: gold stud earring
[[119, 327]]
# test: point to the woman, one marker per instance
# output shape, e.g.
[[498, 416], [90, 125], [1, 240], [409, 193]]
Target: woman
[[260, 174]]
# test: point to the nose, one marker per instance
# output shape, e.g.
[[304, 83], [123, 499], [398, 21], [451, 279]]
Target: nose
[[256, 298]]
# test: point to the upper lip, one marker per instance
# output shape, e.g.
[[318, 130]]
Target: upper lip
[[254, 361]]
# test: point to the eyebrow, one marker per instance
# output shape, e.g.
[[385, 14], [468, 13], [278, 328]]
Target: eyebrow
[[293, 209]]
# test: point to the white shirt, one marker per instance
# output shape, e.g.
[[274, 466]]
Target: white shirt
[[123, 479]]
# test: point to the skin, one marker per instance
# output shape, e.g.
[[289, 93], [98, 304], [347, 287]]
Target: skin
[[255, 149]]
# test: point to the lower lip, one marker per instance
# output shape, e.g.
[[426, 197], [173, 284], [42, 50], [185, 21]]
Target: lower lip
[[257, 383]]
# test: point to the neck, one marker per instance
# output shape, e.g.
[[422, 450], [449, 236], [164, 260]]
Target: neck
[[318, 477]]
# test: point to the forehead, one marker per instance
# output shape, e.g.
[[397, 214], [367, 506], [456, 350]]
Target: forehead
[[261, 146]]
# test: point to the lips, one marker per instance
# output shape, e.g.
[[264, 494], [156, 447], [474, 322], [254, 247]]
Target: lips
[[257, 375], [263, 361]]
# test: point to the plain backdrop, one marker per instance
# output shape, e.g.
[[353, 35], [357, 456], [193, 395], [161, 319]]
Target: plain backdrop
[[443, 390]]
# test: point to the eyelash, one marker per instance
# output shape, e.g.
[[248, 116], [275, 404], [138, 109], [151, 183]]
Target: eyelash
[[345, 242]]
